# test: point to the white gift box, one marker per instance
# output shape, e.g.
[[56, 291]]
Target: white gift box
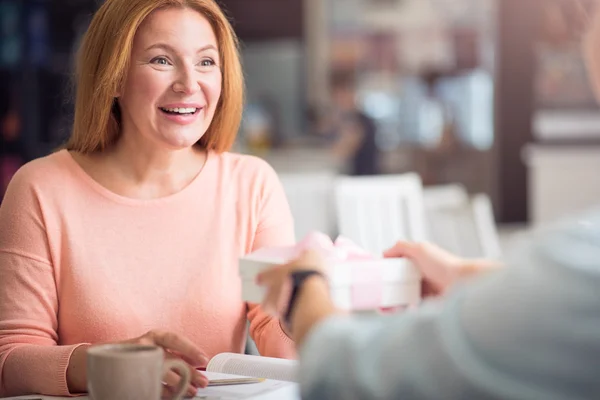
[[355, 284]]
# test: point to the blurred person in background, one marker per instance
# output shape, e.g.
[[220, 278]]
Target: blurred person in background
[[529, 330], [133, 231], [350, 131]]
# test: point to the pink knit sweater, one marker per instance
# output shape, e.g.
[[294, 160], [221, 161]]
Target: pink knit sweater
[[80, 264]]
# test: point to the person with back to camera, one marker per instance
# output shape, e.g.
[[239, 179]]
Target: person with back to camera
[[530, 330], [132, 232]]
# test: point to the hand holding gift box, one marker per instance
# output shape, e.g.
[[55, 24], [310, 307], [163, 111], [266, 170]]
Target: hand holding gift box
[[358, 280]]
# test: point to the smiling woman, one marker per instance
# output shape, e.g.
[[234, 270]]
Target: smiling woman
[[133, 232], [173, 81], [101, 74]]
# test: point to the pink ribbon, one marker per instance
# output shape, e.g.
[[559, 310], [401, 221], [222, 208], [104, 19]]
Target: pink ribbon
[[343, 249], [367, 283], [366, 291]]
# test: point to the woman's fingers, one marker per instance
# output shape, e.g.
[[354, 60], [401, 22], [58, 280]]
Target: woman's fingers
[[168, 392], [181, 345], [178, 347], [171, 380], [185, 358], [197, 378]]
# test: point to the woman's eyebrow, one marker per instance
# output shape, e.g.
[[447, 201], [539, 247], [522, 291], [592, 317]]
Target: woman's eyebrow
[[167, 47]]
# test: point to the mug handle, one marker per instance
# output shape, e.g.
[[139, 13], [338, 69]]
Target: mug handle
[[184, 371]]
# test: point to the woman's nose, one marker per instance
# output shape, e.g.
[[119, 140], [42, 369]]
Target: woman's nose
[[187, 82]]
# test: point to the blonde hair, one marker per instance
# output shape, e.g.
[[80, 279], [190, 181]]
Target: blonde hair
[[103, 61]]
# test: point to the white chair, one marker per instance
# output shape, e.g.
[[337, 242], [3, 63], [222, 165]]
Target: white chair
[[310, 196], [460, 224], [446, 215], [377, 211], [483, 213]]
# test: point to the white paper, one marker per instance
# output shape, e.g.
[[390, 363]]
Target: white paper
[[266, 390]]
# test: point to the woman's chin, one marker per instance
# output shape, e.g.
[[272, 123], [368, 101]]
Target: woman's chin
[[181, 142]]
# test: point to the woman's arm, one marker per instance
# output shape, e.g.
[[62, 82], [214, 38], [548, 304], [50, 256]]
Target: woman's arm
[[31, 361]]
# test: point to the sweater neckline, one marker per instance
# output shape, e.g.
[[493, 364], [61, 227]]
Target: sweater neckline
[[109, 194]]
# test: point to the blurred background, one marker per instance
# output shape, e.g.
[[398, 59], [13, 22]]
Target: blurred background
[[490, 95]]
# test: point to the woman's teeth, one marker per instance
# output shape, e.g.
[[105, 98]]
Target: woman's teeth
[[179, 110]]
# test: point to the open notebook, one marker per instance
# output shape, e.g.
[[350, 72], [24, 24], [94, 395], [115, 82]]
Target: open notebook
[[255, 366], [278, 377]]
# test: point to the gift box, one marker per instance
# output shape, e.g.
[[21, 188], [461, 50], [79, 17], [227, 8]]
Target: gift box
[[358, 281]]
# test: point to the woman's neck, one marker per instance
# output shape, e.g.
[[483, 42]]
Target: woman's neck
[[141, 173], [151, 165]]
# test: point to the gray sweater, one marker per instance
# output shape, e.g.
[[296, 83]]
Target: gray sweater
[[528, 331]]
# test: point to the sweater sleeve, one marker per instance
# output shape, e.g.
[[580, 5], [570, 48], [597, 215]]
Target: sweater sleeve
[[275, 228], [31, 361]]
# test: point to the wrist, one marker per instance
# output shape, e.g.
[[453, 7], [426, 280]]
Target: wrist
[[312, 306], [77, 370], [299, 278]]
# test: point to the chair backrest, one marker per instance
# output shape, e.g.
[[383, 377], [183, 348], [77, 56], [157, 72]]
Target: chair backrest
[[460, 224], [448, 219], [310, 196], [483, 213], [377, 211]]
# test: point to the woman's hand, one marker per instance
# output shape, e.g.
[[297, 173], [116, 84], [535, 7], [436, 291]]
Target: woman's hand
[[174, 346], [440, 268]]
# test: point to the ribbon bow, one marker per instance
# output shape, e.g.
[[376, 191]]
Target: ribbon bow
[[343, 249]]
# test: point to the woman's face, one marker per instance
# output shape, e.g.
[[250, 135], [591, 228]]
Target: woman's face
[[173, 83]]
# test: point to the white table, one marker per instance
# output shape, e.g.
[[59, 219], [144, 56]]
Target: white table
[[267, 390]]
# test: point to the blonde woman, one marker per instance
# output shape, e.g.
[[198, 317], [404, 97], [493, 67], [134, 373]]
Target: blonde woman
[[133, 231]]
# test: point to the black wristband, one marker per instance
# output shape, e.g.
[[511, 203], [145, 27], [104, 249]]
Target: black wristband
[[298, 277]]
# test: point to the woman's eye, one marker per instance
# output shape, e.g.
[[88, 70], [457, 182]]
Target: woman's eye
[[160, 61], [207, 63]]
